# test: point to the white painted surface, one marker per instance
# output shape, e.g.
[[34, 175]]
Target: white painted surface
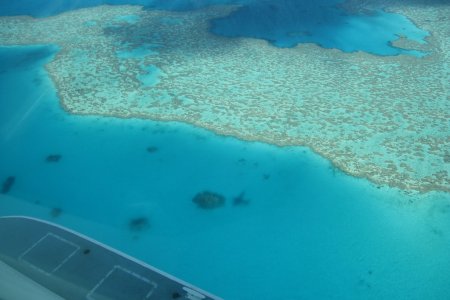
[[16, 286]]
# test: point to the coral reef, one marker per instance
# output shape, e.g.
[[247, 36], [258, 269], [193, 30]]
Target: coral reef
[[381, 118], [208, 200]]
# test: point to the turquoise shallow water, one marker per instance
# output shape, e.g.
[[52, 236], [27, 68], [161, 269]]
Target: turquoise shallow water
[[308, 232]]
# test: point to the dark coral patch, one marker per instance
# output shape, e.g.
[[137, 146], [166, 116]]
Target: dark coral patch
[[208, 200], [53, 158], [7, 184], [152, 149], [242, 161], [240, 200], [56, 212], [138, 224]]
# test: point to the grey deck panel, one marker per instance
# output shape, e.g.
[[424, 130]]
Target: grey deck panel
[[76, 267]]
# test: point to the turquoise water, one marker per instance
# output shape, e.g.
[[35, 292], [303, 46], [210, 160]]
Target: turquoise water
[[305, 230], [308, 231]]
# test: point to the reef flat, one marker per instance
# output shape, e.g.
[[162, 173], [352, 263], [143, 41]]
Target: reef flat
[[385, 118]]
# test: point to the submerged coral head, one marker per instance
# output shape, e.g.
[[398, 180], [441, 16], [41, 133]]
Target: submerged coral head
[[240, 200], [7, 184], [208, 200], [53, 158], [139, 224], [152, 149], [56, 212]]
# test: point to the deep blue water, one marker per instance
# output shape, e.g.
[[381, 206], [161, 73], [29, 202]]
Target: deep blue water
[[308, 231], [284, 23], [287, 23]]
